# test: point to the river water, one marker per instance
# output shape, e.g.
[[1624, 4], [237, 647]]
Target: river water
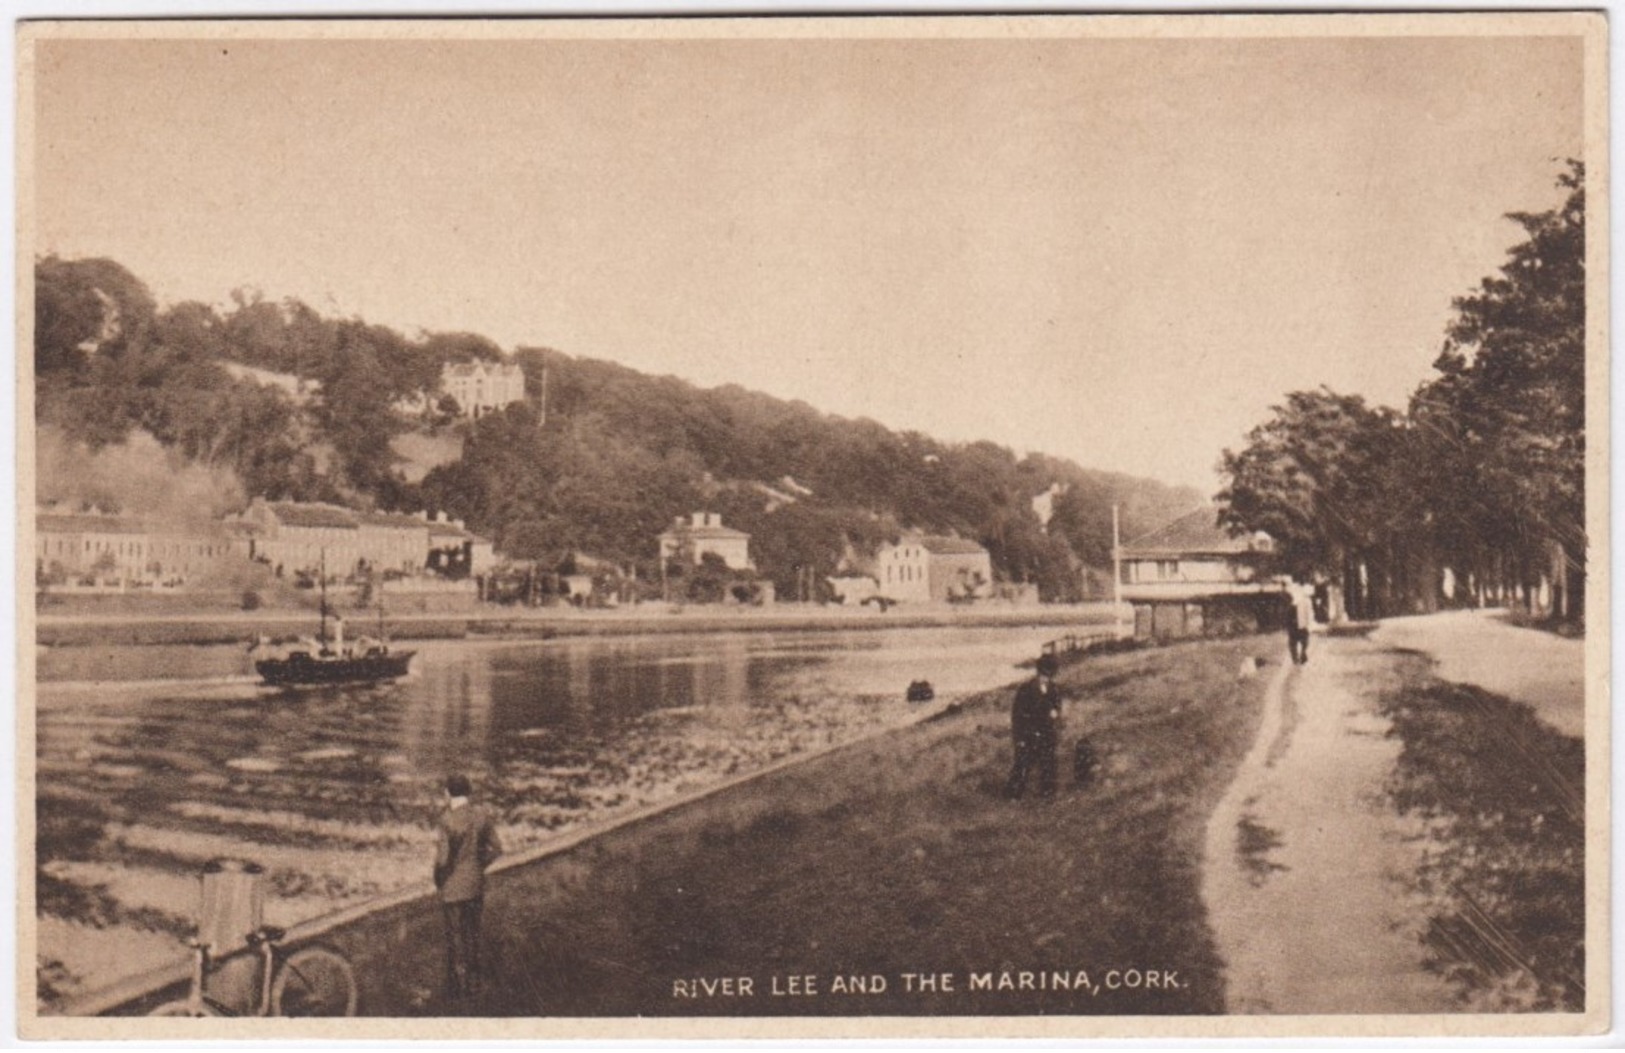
[[334, 790]]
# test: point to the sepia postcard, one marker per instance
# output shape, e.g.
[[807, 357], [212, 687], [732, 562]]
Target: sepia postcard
[[729, 527]]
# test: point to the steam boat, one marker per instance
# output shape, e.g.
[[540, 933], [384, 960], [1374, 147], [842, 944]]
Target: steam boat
[[327, 666], [329, 660]]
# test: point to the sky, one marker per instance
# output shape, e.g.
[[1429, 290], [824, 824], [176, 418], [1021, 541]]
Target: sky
[[1115, 249]]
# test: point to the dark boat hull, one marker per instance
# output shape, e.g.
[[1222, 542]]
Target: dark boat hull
[[303, 669]]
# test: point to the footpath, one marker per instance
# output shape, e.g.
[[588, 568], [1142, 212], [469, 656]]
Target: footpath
[[1308, 866], [1304, 856]]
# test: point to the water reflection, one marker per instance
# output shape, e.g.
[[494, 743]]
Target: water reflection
[[334, 788], [467, 703]]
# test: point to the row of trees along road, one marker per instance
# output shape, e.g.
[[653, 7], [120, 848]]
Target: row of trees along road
[[1484, 474]]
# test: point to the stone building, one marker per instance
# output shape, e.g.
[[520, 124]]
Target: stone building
[[928, 569], [298, 537], [104, 549]]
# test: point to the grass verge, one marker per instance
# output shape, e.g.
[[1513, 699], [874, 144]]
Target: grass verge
[[1504, 876], [843, 883]]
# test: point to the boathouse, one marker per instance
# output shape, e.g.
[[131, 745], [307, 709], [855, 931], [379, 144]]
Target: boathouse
[[1191, 577]]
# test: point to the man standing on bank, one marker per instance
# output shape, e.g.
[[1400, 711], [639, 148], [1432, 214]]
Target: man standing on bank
[[467, 844], [1035, 724]]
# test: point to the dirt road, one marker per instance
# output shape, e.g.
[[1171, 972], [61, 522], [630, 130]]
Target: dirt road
[[1305, 860], [1543, 671]]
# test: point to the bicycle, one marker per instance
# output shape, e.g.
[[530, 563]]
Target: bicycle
[[312, 981]]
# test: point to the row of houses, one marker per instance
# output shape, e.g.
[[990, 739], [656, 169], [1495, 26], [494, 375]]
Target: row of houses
[[1188, 578], [293, 540], [916, 569], [90, 548], [299, 537]]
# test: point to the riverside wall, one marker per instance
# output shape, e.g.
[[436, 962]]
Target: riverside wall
[[200, 627], [396, 944]]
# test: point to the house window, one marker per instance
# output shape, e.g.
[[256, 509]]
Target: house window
[[1168, 569]]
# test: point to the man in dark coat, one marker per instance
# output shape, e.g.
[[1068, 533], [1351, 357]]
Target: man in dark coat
[[467, 843], [1035, 724]]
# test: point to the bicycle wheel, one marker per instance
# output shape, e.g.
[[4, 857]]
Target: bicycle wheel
[[314, 981]]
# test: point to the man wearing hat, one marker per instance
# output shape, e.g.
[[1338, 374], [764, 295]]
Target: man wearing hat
[[467, 843], [1035, 723]]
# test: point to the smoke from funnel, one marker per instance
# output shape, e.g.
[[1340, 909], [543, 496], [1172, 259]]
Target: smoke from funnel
[[138, 477]]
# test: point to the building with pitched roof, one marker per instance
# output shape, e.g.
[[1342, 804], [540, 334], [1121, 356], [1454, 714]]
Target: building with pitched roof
[[689, 540], [456, 551], [1191, 577], [481, 386], [933, 569], [104, 549], [298, 537]]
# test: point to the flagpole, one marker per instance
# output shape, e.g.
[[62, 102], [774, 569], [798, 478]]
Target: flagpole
[[1117, 577]]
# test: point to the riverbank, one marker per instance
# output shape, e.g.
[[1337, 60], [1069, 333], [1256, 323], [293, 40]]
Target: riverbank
[[890, 877], [1400, 843], [334, 790], [887, 877], [211, 627]]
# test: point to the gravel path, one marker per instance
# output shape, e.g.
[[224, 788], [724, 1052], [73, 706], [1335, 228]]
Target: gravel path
[[1304, 859], [1544, 671]]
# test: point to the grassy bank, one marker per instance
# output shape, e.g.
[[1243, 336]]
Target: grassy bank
[[1504, 880], [900, 856]]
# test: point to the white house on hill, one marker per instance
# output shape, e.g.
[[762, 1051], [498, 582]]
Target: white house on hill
[[480, 386]]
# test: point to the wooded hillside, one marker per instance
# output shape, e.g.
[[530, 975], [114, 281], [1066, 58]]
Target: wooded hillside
[[615, 456]]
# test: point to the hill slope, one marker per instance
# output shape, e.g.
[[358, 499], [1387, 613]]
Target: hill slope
[[602, 468]]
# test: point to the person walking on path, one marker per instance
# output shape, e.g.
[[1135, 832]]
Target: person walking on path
[[1035, 725], [1300, 616], [466, 844]]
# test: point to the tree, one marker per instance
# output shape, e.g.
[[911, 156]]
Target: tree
[[1313, 478], [86, 308], [710, 579], [1507, 411], [1486, 471]]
